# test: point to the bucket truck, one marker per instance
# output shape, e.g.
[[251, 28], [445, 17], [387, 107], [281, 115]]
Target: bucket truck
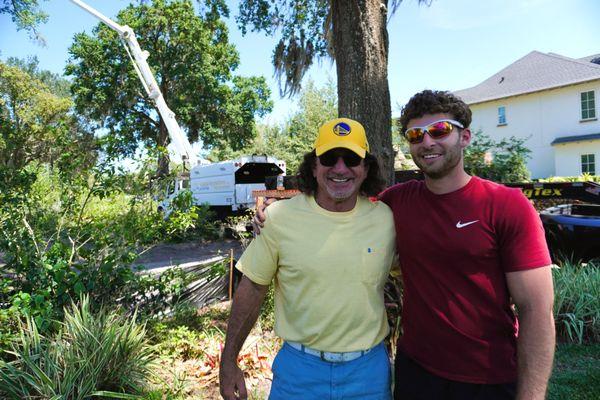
[[226, 186]]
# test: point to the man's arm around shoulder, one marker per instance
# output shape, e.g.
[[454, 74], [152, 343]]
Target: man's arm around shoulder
[[533, 294], [245, 309]]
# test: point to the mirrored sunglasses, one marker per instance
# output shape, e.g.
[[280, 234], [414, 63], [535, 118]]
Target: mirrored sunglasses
[[437, 130], [330, 158]]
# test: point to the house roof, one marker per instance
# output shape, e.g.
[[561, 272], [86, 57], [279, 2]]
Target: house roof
[[579, 138], [534, 72], [589, 58]]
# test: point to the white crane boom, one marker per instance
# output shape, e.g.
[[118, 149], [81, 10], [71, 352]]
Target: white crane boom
[[178, 137]]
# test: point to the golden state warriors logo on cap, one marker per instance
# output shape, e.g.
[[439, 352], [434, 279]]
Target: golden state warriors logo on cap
[[342, 132], [341, 129]]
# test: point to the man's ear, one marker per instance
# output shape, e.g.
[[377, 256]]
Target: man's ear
[[465, 137]]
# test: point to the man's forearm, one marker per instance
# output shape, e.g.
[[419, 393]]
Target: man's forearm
[[244, 313], [535, 352]]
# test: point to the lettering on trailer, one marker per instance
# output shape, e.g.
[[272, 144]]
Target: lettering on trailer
[[214, 185], [539, 192]]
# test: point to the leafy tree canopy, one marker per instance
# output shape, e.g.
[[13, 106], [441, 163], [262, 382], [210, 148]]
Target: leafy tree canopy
[[305, 29], [57, 84], [296, 136], [26, 14], [193, 62], [35, 123]]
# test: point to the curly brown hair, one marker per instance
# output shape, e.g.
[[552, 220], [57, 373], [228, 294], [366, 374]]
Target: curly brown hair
[[371, 186], [434, 102]]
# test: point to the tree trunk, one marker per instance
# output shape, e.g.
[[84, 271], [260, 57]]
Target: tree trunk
[[163, 158], [360, 44]]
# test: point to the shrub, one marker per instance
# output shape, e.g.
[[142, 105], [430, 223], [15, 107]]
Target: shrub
[[61, 239], [581, 178], [188, 221], [499, 161], [577, 302], [101, 354]]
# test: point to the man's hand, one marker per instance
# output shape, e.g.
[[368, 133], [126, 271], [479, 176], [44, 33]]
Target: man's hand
[[260, 217], [231, 382]]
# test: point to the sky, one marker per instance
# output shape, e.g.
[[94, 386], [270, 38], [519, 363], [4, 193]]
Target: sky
[[450, 45]]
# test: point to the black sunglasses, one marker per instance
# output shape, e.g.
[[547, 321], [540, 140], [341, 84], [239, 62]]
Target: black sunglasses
[[330, 158]]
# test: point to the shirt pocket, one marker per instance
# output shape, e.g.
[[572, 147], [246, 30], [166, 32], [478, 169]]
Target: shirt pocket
[[375, 266]]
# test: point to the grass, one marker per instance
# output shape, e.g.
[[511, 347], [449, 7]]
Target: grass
[[576, 374], [577, 302]]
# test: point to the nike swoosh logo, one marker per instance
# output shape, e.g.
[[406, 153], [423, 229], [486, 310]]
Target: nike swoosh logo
[[461, 225]]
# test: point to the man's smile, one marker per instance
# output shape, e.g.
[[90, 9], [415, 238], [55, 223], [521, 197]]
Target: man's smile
[[431, 157], [339, 180]]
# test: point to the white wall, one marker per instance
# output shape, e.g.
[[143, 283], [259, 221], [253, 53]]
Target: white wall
[[541, 116], [568, 156]]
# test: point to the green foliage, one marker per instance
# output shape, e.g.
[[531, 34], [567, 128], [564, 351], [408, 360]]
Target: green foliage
[[187, 221], [92, 354], [580, 178], [316, 105], [305, 25], [499, 161], [310, 30], [36, 124], [26, 14], [57, 85], [212, 322], [577, 302], [576, 372], [267, 311], [67, 235], [183, 334], [182, 343], [194, 64]]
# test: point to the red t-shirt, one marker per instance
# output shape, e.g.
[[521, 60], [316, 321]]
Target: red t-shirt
[[454, 252]]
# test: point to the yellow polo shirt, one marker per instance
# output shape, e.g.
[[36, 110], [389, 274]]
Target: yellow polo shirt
[[329, 270]]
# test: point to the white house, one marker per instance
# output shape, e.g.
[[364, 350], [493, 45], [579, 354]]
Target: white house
[[552, 101]]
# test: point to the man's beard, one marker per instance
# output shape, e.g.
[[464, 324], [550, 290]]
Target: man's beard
[[451, 158]]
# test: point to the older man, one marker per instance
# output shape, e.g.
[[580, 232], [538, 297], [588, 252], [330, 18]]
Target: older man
[[329, 251]]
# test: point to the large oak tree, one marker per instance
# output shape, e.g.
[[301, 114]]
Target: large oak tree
[[193, 62], [354, 34]]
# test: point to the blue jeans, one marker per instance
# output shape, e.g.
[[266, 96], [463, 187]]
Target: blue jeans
[[301, 376]]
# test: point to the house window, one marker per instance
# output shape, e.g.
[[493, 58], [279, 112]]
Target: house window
[[502, 115], [588, 105], [588, 164]]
